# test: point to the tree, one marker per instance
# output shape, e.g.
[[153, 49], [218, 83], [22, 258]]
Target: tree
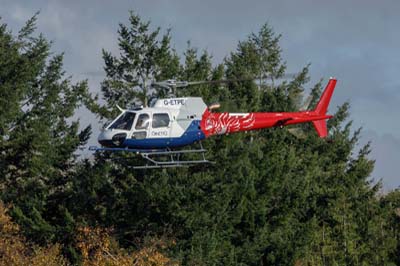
[[39, 136], [16, 250], [145, 56], [99, 248], [389, 226], [271, 198]]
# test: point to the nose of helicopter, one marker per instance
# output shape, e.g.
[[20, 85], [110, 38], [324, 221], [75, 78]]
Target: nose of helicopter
[[111, 138]]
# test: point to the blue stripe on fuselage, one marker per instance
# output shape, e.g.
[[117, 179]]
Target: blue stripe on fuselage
[[191, 135]]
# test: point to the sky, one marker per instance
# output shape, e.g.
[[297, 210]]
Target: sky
[[355, 41]]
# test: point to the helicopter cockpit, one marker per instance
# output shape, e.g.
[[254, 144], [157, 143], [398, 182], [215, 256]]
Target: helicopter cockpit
[[117, 131], [124, 121], [135, 125]]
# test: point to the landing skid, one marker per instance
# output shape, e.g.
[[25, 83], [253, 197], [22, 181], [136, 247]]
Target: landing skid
[[161, 158]]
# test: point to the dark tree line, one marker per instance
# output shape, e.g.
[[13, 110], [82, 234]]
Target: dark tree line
[[271, 198]]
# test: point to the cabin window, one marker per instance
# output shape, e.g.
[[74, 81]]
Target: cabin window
[[160, 120], [124, 122], [139, 135], [143, 121]]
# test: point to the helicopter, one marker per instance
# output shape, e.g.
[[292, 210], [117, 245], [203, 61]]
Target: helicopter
[[176, 122]]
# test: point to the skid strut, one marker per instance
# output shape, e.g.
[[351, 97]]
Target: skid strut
[[162, 158]]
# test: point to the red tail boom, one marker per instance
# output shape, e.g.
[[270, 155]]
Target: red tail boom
[[224, 123]]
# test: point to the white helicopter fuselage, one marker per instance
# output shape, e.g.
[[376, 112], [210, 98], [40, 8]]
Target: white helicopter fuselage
[[170, 123]]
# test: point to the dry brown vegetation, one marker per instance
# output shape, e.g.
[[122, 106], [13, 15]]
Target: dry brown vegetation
[[15, 250], [96, 245], [98, 248]]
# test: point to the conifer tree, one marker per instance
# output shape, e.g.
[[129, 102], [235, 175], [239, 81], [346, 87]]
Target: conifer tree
[[39, 136], [271, 198], [145, 56]]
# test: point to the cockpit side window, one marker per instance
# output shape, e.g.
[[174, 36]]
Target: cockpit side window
[[124, 122], [160, 120], [143, 121]]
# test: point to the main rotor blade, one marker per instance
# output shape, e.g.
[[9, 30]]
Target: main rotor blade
[[306, 103], [284, 76], [173, 83]]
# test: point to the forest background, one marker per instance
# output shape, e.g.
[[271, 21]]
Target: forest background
[[272, 197]]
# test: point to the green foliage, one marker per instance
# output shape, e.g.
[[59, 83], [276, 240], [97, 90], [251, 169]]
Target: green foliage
[[144, 57], [196, 68], [271, 198], [39, 137]]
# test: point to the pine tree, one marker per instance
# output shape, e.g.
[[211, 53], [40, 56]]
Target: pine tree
[[196, 68], [271, 198], [145, 56], [39, 136], [389, 228]]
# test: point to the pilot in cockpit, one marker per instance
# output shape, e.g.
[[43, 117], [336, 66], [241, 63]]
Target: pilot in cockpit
[[143, 122]]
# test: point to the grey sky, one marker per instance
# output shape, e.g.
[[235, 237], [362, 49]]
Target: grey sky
[[356, 41]]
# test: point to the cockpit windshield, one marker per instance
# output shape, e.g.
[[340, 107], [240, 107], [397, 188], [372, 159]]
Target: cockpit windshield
[[124, 122]]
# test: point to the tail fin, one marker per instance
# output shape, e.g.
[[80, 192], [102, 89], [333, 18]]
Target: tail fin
[[322, 107], [323, 103]]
